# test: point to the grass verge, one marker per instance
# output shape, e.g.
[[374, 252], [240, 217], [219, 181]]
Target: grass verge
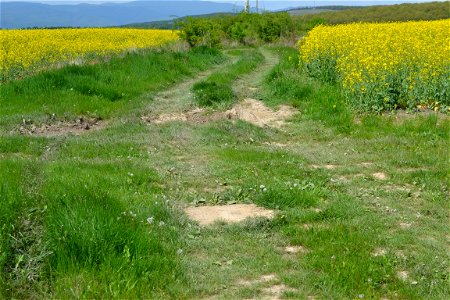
[[102, 90]]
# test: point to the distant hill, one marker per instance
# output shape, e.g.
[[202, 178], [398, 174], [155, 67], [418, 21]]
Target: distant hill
[[28, 15], [388, 13], [301, 11], [172, 23]]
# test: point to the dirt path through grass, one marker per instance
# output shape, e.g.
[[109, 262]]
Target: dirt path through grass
[[179, 98], [175, 106], [248, 85], [232, 261], [171, 108]]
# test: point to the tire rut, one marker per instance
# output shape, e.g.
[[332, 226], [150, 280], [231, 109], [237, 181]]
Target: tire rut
[[247, 85], [175, 104], [178, 98]]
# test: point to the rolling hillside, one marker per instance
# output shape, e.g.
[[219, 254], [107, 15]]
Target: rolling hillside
[[26, 14], [400, 12]]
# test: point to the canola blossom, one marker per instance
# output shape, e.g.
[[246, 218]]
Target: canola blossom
[[385, 65], [30, 50]]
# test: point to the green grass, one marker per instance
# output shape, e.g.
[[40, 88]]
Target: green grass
[[102, 90], [217, 89], [318, 101], [351, 224], [75, 209], [97, 225], [77, 228]]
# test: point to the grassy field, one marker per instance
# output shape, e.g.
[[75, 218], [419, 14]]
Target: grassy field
[[67, 229], [360, 201]]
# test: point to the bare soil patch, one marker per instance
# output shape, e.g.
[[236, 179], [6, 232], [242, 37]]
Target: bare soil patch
[[327, 167], [380, 176], [198, 115], [273, 291], [405, 225], [56, 128], [207, 215], [344, 179], [403, 275], [250, 110], [255, 112], [276, 291], [295, 249], [379, 252], [262, 279]]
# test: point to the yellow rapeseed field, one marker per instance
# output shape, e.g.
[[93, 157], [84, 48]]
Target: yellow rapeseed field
[[28, 49], [383, 66]]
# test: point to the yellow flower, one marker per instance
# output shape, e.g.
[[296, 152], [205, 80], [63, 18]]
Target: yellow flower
[[43, 48], [377, 54]]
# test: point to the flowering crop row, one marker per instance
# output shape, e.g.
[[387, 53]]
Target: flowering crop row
[[383, 66], [28, 50]]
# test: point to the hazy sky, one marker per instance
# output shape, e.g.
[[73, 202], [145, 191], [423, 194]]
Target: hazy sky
[[268, 4], [233, 1]]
